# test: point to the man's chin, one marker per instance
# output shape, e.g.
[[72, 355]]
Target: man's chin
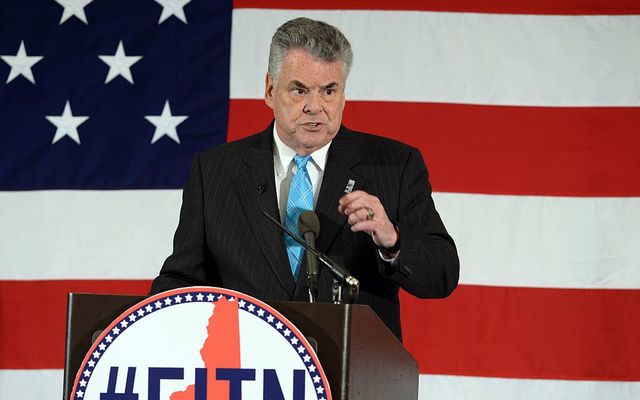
[[309, 146], [313, 129]]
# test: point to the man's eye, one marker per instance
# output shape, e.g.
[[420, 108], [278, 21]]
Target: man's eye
[[298, 91], [329, 91]]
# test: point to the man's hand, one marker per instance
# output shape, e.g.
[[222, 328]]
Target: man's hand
[[365, 213]]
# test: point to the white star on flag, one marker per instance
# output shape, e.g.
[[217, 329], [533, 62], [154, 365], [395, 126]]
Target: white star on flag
[[119, 64], [172, 7], [66, 124], [73, 8], [166, 123], [21, 64]]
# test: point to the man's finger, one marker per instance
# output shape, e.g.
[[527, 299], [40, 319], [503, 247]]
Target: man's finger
[[369, 202], [359, 215]]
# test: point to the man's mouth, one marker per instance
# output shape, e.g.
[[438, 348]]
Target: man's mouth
[[312, 125]]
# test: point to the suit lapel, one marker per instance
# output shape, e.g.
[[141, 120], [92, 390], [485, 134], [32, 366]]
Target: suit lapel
[[259, 173], [343, 156], [338, 175]]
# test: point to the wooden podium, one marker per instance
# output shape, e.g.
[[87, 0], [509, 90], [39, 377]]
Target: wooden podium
[[360, 356]]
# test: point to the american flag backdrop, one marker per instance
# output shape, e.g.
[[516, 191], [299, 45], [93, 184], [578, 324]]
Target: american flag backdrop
[[527, 114]]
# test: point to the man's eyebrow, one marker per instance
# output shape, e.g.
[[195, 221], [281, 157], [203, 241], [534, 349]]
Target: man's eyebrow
[[298, 84], [331, 85]]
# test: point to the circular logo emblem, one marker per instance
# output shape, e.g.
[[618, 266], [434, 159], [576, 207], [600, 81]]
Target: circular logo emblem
[[201, 343]]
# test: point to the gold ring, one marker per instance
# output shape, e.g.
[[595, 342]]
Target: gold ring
[[370, 214]]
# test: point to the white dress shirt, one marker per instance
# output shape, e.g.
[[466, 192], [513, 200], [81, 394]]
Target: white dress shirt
[[284, 168]]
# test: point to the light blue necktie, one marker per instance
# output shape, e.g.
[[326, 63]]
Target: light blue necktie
[[300, 200]]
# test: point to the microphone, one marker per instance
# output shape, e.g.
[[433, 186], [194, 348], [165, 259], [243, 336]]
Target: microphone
[[338, 272], [309, 227]]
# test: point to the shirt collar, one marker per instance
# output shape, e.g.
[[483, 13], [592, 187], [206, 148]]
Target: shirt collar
[[283, 155]]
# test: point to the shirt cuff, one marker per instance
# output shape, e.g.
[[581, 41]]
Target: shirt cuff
[[387, 258]]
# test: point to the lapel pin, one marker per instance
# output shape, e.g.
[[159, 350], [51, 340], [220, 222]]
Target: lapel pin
[[350, 184]]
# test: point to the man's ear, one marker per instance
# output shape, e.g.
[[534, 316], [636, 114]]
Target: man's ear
[[268, 90]]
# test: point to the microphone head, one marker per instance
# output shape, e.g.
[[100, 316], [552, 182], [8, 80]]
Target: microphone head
[[309, 222]]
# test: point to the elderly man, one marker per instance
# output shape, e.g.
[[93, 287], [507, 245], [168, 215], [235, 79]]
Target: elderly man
[[385, 230]]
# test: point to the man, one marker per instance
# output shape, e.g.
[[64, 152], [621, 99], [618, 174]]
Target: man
[[385, 230]]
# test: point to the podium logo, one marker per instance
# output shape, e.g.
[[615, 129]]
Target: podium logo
[[201, 343]]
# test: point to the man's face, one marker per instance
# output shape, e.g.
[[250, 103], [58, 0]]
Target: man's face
[[307, 101]]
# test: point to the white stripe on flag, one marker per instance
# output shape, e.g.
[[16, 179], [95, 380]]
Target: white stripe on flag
[[536, 241], [19, 384], [31, 384], [502, 240], [463, 57], [444, 387], [66, 234]]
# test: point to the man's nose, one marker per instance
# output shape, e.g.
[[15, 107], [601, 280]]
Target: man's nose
[[313, 104]]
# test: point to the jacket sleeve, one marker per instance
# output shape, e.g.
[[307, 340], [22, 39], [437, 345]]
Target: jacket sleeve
[[186, 265], [427, 265]]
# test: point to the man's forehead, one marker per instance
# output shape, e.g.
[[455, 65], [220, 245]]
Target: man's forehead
[[328, 84], [304, 67]]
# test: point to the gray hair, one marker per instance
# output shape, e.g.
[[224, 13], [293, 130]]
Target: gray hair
[[316, 38]]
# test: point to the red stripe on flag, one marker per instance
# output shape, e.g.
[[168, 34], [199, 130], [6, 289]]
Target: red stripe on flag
[[557, 151], [478, 331], [549, 7], [526, 333], [33, 318]]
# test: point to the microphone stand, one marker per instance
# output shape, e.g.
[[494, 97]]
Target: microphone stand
[[341, 275], [312, 277]]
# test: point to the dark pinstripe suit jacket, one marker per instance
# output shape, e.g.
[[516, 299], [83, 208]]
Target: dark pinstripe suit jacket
[[223, 240]]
